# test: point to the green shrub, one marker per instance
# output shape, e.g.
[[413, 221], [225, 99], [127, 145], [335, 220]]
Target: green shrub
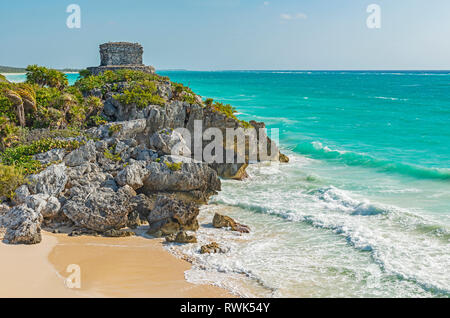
[[43, 76], [85, 73], [115, 128], [22, 155], [225, 109], [88, 82], [189, 98], [184, 93], [209, 102], [245, 124], [173, 166], [109, 154], [47, 96], [75, 91], [97, 120], [6, 108], [141, 95], [10, 134], [10, 179]]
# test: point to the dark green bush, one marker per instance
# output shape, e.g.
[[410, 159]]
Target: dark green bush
[[10, 179], [175, 166], [141, 95], [22, 156], [43, 76]]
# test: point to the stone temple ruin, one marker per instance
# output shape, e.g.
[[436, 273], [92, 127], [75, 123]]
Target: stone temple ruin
[[121, 55]]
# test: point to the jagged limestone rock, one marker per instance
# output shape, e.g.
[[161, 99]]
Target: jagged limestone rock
[[220, 221], [181, 237], [51, 181], [23, 226], [86, 153], [211, 248], [168, 141], [99, 209], [143, 205], [170, 215], [119, 129], [50, 156], [118, 233], [20, 194], [190, 177], [133, 175], [45, 204]]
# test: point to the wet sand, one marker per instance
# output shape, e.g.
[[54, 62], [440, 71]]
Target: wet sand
[[110, 267]]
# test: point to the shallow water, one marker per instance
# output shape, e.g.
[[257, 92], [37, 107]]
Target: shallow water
[[362, 209]]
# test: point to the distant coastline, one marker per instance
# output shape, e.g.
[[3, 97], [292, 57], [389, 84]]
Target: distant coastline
[[21, 70]]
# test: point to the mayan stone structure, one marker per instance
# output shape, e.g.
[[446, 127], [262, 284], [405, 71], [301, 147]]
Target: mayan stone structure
[[121, 55]]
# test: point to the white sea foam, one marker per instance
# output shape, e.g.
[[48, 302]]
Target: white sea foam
[[310, 238]]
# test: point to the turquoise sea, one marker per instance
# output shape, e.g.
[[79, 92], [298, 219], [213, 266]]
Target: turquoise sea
[[362, 209]]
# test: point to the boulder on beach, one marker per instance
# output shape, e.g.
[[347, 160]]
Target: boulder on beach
[[23, 226], [211, 248], [171, 215], [181, 237], [223, 221]]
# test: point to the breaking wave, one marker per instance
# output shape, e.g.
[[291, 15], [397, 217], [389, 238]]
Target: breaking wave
[[319, 151]]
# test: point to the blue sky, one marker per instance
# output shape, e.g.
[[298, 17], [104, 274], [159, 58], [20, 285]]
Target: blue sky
[[231, 34]]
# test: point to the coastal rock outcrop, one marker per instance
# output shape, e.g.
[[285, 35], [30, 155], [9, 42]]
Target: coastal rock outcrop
[[136, 162], [171, 215], [168, 141], [48, 157], [44, 204], [20, 195], [51, 181], [182, 175], [86, 153], [99, 209], [133, 175], [23, 226]]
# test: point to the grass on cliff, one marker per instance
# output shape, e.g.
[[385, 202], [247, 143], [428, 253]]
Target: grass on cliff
[[140, 94], [21, 156], [17, 162], [175, 166], [88, 82], [183, 93], [10, 179], [226, 109]]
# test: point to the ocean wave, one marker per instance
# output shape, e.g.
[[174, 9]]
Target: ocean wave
[[401, 242], [318, 150], [391, 98], [340, 200]]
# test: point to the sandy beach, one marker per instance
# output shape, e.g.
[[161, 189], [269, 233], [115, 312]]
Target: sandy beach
[[110, 267]]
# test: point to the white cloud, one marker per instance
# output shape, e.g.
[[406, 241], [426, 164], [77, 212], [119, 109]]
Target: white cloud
[[266, 3], [298, 16]]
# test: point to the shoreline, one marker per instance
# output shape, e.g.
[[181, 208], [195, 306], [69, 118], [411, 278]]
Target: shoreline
[[12, 74], [110, 267]]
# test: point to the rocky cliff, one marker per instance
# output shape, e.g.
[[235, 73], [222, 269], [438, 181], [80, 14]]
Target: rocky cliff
[[123, 172]]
